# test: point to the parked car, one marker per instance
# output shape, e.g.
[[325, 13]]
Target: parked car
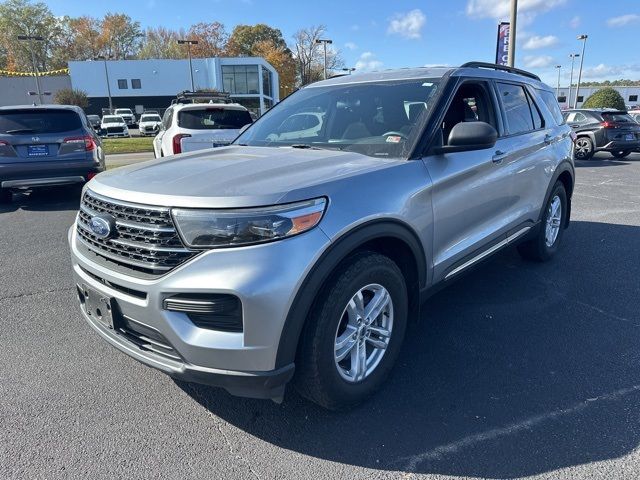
[[94, 121], [603, 130], [149, 124], [45, 146], [196, 126], [244, 265], [127, 115], [114, 126], [299, 125]]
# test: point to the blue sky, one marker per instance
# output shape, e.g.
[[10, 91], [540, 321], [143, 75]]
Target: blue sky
[[378, 34]]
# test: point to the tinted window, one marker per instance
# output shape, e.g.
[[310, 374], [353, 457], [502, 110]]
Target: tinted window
[[150, 118], [38, 121], [535, 113], [550, 102], [576, 117], [136, 83], [122, 84], [213, 118], [633, 98], [516, 108], [617, 117]]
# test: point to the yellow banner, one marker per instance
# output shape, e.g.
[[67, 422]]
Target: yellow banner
[[7, 73]]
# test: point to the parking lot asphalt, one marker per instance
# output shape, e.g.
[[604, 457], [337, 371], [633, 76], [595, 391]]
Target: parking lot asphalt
[[518, 369]]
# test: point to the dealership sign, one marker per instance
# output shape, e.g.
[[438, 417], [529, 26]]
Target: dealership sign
[[502, 47]]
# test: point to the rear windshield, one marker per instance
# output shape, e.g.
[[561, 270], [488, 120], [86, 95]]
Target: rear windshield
[[213, 118], [38, 121], [617, 117]]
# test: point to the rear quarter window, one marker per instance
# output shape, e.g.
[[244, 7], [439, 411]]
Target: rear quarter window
[[551, 103], [38, 121]]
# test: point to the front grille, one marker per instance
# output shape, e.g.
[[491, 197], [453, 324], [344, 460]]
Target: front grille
[[115, 129], [145, 240]]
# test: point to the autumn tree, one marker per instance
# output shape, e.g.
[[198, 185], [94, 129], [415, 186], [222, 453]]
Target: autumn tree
[[244, 38], [211, 37], [309, 55], [281, 59], [83, 38], [162, 43], [120, 35]]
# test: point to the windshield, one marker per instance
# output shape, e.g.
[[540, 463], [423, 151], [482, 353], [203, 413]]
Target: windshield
[[38, 121], [150, 118], [112, 120], [376, 119], [213, 118], [124, 111]]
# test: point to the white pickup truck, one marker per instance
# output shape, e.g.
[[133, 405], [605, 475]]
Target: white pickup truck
[[197, 126]]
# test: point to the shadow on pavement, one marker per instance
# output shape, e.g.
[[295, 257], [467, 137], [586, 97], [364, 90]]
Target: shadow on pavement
[[516, 369], [45, 199]]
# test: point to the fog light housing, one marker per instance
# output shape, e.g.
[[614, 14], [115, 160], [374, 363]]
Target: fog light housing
[[221, 312]]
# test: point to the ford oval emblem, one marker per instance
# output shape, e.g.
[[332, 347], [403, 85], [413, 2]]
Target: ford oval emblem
[[102, 226]]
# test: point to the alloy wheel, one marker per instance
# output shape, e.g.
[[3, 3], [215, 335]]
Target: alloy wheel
[[554, 219]]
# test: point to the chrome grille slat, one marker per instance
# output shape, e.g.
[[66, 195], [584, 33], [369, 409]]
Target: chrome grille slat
[[146, 238]]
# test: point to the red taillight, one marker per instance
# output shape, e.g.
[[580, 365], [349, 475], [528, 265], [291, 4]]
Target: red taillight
[[177, 148], [3, 143], [606, 124], [89, 144]]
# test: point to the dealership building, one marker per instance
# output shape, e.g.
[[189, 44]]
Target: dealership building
[[631, 95], [152, 84]]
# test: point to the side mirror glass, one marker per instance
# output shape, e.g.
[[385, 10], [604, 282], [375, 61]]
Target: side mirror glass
[[467, 136]]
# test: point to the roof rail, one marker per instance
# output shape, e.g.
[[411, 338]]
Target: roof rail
[[201, 97], [495, 66]]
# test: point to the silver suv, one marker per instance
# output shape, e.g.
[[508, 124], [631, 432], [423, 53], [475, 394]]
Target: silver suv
[[312, 241]]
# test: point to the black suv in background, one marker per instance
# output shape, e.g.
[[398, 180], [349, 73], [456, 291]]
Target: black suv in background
[[603, 130], [44, 146]]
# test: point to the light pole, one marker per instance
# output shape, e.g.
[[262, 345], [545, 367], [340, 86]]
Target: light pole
[[189, 43], [584, 44], [558, 85], [324, 42], [30, 39], [349, 69], [106, 75], [573, 57], [511, 58]]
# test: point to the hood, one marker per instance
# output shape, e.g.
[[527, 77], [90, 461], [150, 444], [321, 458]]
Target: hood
[[234, 176]]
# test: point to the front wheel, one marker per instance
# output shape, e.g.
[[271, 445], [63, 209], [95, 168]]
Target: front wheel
[[583, 149], [621, 153], [354, 333], [547, 241]]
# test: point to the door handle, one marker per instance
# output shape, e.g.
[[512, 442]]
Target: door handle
[[498, 156], [548, 139]]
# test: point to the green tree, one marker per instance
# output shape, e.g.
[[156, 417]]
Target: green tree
[[68, 96], [244, 38], [162, 43], [605, 98]]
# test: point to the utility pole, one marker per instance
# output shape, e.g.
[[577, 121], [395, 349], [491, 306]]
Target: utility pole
[[573, 57], [511, 59], [324, 42], [106, 75], [558, 85], [584, 44], [30, 39], [189, 43]]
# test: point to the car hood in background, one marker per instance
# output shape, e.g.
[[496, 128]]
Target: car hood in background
[[232, 176]]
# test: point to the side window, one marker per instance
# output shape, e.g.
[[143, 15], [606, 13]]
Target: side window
[[577, 117], [516, 108], [471, 103], [535, 113], [551, 103], [122, 83], [166, 119]]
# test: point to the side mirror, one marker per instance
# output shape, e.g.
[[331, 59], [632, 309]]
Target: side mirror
[[467, 136]]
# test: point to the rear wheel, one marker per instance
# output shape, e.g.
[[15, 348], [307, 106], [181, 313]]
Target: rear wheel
[[354, 333], [545, 244], [583, 149], [5, 196], [621, 153]]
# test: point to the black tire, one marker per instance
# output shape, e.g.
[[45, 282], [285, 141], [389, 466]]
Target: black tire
[[537, 248], [621, 153], [583, 149], [5, 196], [317, 375]]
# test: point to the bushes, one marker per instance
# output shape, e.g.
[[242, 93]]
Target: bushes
[[68, 96], [605, 98]]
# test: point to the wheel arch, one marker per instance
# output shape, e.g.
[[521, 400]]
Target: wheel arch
[[565, 173], [392, 238]]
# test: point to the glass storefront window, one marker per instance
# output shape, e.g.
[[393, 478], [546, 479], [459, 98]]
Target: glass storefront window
[[240, 79], [266, 82]]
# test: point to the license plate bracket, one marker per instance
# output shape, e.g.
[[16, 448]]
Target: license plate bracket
[[99, 306], [38, 150]]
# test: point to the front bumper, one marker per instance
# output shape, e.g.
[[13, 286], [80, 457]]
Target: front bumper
[[264, 277]]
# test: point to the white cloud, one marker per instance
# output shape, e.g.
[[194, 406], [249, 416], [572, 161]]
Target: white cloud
[[355, 27], [623, 20], [500, 9], [575, 22], [534, 42], [407, 25], [368, 62], [537, 61], [602, 71], [350, 46]]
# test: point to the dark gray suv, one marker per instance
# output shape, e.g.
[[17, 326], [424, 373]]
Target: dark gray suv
[[44, 146], [304, 249]]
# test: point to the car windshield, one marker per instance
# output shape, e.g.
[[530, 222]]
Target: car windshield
[[124, 111], [150, 118], [38, 121], [112, 120], [94, 118], [617, 117], [378, 119], [213, 118]]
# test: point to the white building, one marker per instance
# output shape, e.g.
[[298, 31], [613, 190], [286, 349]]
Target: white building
[[152, 84], [631, 95]]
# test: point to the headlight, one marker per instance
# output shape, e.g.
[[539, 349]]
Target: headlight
[[223, 228]]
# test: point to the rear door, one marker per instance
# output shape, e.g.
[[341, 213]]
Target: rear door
[[41, 135]]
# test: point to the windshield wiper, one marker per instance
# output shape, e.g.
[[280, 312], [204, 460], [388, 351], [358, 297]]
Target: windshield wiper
[[305, 146], [21, 130]]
